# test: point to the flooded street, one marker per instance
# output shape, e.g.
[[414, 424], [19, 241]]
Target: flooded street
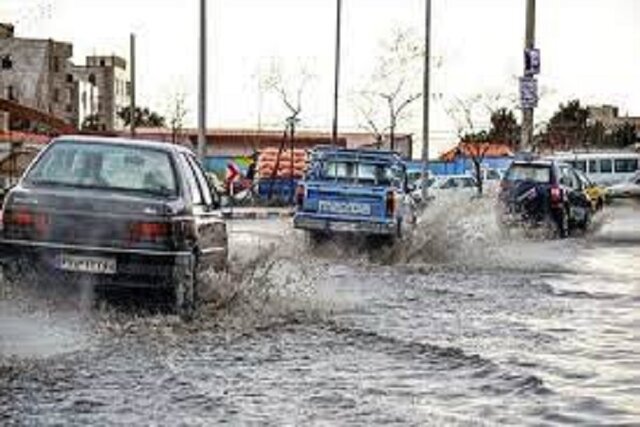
[[459, 326]]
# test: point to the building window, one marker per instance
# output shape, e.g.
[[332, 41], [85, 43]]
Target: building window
[[56, 95], [11, 96], [69, 108], [7, 62], [92, 79], [102, 63], [128, 88], [69, 78], [56, 64]]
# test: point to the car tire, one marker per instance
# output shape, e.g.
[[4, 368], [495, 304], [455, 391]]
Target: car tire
[[316, 238], [564, 224], [587, 221], [185, 289]]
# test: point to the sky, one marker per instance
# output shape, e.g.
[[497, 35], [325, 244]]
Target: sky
[[590, 50]]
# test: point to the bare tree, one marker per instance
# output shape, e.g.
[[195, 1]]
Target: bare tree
[[474, 140], [290, 90], [393, 86], [177, 116]]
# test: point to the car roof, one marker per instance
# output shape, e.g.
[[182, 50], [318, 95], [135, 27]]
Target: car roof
[[142, 143]]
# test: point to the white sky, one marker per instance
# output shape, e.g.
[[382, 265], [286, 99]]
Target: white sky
[[590, 50]]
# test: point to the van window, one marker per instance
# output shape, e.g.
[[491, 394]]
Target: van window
[[626, 165], [581, 165], [593, 166], [606, 166]]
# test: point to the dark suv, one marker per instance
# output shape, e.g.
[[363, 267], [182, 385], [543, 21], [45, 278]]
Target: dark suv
[[544, 192], [117, 212]]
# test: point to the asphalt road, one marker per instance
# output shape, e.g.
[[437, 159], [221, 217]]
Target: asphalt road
[[457, 325]]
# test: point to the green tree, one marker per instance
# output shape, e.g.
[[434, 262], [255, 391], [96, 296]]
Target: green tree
[[504, 128], [568, 128], [623, 135], [144, 117]]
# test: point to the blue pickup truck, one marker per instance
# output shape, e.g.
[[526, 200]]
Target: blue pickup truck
[[354, 191]]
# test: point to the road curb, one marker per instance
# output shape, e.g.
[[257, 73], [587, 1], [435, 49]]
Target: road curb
[[258, 214]]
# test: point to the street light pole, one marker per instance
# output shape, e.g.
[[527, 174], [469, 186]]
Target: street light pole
[[132, 85], [527, 110], [202, 82], [336, 77], [425, 98]]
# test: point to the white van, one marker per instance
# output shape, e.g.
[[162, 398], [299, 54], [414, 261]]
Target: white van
[[603, 168]]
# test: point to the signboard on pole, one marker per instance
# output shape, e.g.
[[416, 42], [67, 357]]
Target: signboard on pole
[[528, 92], [531, 62]]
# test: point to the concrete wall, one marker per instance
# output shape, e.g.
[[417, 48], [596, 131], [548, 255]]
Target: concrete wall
[[36, 74]]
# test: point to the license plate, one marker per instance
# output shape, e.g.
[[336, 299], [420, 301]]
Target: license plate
[[344, 208], [88, 264]]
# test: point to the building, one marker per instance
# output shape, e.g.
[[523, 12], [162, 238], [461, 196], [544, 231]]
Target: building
[[109, 75], [610, 118], [34, 73], [86, 96], [38, 74]]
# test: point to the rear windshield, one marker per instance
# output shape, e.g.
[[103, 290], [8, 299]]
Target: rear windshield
[[367, 173], [105, 167], [534, 173]]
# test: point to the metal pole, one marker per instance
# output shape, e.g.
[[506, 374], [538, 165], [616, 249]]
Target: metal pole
[[132, 77], [425, 98], [202, 85], [527, 113], [334, 133]]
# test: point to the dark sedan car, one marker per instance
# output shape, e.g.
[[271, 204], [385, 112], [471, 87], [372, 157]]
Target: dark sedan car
[[117, 212]]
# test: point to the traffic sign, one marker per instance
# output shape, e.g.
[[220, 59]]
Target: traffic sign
[[531, 62], [528, 92]]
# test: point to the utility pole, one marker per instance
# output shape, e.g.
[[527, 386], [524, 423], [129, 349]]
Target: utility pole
[[526, 143], [336, 77], [425, 98], [132, 77], [202, 83]]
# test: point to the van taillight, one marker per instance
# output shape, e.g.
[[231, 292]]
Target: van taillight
[[391, 203], [300, 190], [148, 231], [556, 195]]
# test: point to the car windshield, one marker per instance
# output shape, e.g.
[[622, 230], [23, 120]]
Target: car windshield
[[535, 173], [371, 173], [105, 167]]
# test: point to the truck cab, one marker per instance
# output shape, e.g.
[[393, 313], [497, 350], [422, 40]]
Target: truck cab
[[362, 192]]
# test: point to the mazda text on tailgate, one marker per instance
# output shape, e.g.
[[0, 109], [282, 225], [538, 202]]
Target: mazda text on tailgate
[[117, 213], [354, 191]]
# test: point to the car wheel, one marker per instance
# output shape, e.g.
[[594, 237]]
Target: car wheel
[[316, 238], [185, 289], [563, 224], [587, 221]]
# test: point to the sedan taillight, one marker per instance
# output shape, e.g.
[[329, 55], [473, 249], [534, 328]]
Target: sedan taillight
[[25, 223], [148, 231]]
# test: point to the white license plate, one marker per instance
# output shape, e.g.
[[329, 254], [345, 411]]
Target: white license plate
[[344, 208], [87, 264]]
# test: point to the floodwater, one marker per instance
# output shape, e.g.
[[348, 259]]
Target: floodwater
[[460, 325]]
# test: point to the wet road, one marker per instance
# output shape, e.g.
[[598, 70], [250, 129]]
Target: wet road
[[460, 325]]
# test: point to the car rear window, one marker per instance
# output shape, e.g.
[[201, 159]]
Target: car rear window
[[534, 173], [373, 173], [102, 166]]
